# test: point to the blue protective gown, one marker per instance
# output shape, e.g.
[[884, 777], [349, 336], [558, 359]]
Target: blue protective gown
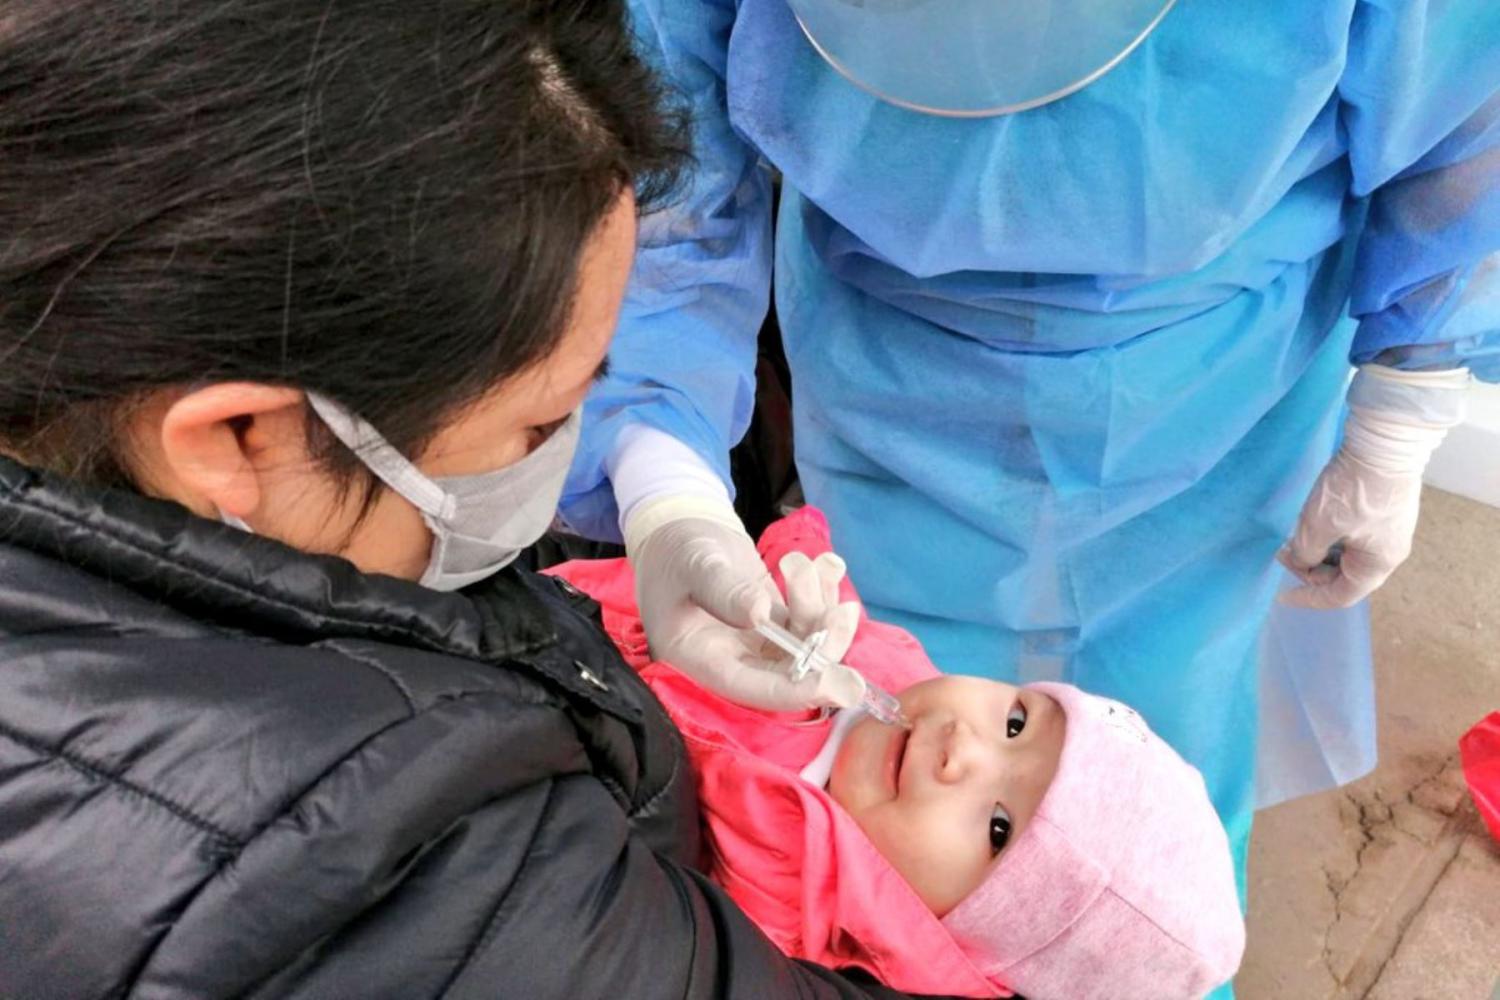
[[1063, 378]]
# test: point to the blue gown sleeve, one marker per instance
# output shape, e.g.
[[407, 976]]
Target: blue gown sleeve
[[683, 359], [1421, 96]]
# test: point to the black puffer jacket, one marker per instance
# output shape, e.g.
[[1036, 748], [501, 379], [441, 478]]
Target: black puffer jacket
[[230, 769]]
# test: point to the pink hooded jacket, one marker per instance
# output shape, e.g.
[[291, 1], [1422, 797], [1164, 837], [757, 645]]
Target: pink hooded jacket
[[1121, 888], [783, 849]]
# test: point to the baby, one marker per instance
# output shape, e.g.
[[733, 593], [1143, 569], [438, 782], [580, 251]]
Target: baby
[[1034, 840]]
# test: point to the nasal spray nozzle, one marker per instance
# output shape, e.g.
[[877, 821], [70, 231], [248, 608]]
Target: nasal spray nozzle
[[879, 703]]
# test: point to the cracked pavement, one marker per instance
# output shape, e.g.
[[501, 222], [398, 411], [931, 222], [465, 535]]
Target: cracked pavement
[[1390, 887]]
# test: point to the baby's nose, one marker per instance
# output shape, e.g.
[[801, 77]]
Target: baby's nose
[[960, 748]]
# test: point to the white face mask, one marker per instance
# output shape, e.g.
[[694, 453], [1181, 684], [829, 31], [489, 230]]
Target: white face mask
[[479, 523]]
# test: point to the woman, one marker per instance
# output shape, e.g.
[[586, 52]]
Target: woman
[[1069, 293], [281, 756]]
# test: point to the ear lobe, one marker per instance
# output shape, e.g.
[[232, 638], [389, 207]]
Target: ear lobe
[[203, 439]]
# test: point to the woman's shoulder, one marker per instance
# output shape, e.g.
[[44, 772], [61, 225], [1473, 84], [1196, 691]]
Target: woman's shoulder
[[202, 807], [213, 782]]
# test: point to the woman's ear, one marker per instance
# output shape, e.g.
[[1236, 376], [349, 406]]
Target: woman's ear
[[213, 440]]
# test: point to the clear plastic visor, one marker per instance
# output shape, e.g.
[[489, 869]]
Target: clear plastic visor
[[974, 58]]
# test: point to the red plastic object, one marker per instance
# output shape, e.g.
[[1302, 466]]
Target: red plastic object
[[1480, 750]]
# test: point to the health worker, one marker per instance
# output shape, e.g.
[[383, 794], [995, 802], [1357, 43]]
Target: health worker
[[1070, 293]]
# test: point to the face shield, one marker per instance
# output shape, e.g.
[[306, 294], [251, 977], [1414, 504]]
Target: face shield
[[973, 58]]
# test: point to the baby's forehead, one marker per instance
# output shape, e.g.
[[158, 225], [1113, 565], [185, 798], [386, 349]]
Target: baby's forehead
[[966, 683], [959, 689], [985, 700]]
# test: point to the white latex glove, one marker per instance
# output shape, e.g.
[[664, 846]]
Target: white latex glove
[[812, 602], [701, 588], [1367, 498]]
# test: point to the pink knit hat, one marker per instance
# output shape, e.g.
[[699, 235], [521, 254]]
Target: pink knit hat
[[1121, 886]]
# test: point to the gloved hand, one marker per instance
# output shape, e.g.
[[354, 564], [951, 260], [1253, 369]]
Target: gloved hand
[[1367, 497], [701, 588], [812, 601]]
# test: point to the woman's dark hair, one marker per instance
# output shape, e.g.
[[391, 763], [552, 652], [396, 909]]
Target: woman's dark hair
[[382, 200]]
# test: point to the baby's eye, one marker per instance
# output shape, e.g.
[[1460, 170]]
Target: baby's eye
[[1015, 721], [999, 830]]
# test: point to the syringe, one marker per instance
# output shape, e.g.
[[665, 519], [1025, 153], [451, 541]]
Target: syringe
[[880, 704]]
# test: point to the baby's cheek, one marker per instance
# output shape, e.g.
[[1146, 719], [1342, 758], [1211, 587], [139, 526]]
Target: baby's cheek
[[836, 783], [932, 854], [844, 777], [917, 696]]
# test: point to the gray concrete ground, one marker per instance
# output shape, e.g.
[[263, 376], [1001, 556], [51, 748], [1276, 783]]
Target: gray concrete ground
[[1390, 887]]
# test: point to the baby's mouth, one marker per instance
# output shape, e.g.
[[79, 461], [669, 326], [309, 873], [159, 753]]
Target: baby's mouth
[[902, 738]]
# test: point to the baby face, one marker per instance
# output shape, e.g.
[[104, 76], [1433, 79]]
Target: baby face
[[942, 801]]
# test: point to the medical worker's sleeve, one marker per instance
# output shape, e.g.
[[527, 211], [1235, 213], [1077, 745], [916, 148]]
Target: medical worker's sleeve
[[1421, 100], [683, 360]]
